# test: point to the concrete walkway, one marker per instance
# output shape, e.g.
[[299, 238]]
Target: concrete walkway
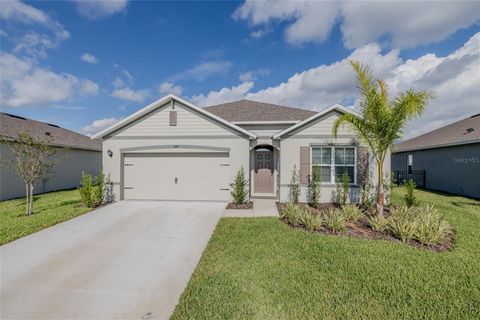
[[261, 208], [129, 260]]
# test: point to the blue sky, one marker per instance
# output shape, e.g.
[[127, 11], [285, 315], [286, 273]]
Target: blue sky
[[85, 65]]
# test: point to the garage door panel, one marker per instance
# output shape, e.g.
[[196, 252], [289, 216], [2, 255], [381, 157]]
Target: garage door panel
[[177, 176]]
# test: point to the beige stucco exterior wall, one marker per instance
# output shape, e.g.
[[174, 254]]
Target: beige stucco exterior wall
[[317, 133], [65, 175], [193, 133]]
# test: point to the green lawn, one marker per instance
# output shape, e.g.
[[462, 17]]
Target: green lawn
[[50, 209], [262, 269]]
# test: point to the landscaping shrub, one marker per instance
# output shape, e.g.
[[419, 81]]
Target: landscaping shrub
[[295, 186], [343, 187], [402, 223], [98, 189], [430, 227], [239, 192], [92, 189], [410, 198], [379, 224], [312, 222], [85, 190], [352, 212], [314, 188], [365, 195], [334, 220], [293, 213]]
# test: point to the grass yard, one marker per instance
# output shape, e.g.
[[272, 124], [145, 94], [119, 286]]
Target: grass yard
[[261, 268], [50, 209]]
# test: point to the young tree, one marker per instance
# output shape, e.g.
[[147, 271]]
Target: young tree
[[314, 188], [33, 160], [382, 119], [239, 192], [295, 186]]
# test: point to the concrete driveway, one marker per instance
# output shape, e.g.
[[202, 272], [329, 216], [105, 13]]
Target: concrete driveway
[[129, 260]]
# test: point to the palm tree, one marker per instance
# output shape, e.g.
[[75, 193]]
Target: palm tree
[[382, 119]]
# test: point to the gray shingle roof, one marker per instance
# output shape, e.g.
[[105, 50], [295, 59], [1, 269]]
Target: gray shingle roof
[[11, 126], [247, 110], [460, 132]]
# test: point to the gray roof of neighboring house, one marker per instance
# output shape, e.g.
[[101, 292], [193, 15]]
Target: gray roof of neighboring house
[[248, 110], [12, 125], [460, 132]]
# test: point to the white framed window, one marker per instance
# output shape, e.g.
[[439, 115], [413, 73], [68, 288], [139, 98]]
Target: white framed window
[[334, 161]]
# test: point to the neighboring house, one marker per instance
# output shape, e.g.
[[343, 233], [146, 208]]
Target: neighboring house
[[174, 150], [79, 153], [446, 159]]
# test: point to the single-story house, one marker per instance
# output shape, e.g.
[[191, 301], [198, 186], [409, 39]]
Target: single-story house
[[446, 159], [79, 153], [174, 150]]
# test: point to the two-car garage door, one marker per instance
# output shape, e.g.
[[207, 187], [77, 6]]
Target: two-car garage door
[[176, 176]]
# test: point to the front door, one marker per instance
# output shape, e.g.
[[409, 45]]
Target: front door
[[264, 182]]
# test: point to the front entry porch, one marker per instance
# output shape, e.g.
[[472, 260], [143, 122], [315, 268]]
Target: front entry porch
[[264, 171]]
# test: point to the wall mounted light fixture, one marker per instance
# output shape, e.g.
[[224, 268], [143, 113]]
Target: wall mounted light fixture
[[110, 153]]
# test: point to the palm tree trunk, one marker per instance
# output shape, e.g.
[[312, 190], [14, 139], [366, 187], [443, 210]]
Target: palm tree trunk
[[380, 193]]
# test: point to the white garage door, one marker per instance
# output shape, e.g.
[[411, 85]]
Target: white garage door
[[176, 176]]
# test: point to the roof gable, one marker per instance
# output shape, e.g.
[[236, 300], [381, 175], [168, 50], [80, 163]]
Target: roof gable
[[301, 125], [253, 111], [12, 125], [161, 103]]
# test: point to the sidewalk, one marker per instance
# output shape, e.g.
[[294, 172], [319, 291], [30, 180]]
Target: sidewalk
[[261, 208]]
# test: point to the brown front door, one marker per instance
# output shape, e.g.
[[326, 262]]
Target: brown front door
[[264, 172]]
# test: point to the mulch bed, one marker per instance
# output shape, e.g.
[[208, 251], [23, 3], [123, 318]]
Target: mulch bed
[[247, 205], [361, 229]]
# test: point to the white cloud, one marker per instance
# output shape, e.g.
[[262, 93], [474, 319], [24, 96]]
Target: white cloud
[[24, 83], [404, 24], [223, 95], [130, 94], [253, 74], [168, 87], [88, 57], [33, 43], [454, 79], [257, 34], [202, 71], [88, 87], [99, 125], [18, 11], [96, 9], [118, 83]]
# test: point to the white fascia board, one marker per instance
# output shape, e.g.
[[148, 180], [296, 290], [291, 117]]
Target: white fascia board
[[314, 117], [140, 113], [266, 122]]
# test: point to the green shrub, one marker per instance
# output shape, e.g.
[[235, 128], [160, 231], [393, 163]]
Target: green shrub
[[86, 190], [295, 186], [431, 228], [410, 199], [312, 222], [379, 224], [352, 212], [343, 188], [402, 223], [314, 188], [293, 213], [365, 195], [98, 189], [239, 192], [334, 220]]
